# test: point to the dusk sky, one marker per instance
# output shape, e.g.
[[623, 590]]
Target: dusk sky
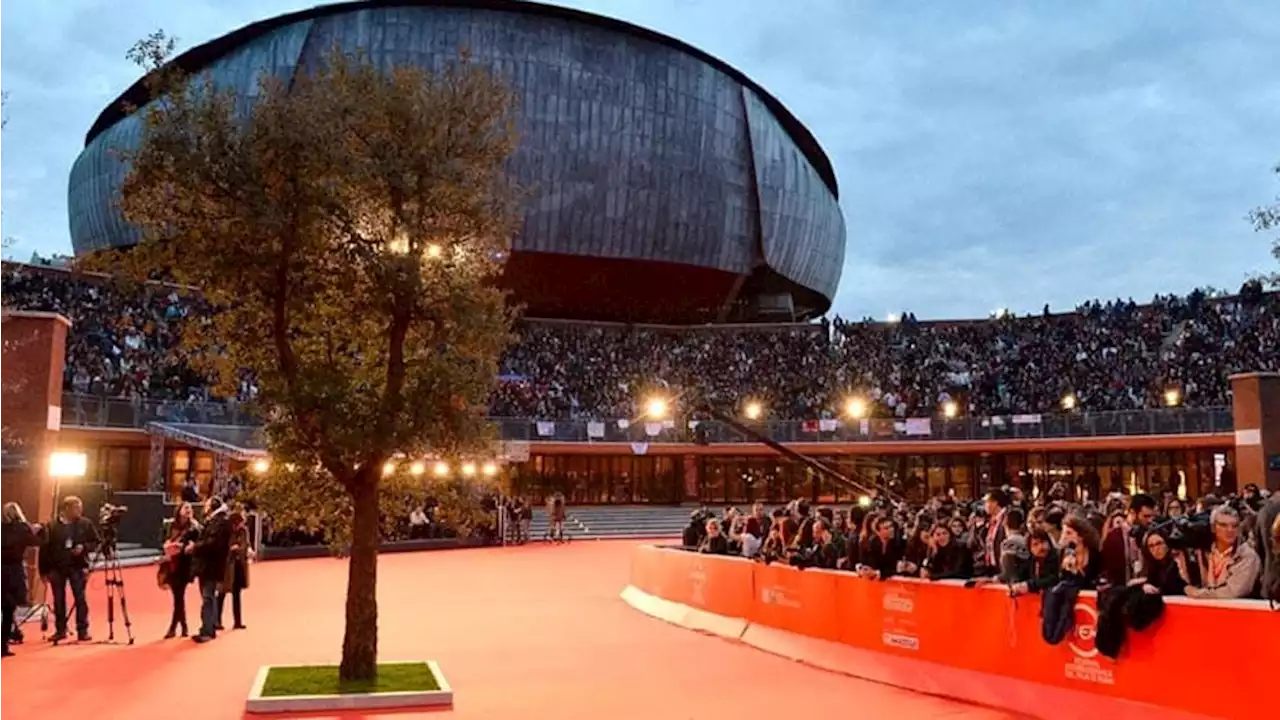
[[990, 154]]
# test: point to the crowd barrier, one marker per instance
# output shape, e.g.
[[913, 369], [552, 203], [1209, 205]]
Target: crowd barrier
[[1201, 659]]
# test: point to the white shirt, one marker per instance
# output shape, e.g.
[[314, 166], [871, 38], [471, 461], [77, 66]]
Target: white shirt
[[750, 545]]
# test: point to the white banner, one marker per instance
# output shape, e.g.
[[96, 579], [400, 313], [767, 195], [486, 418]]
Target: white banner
[[918, 426], [595, 429], [546, 428]]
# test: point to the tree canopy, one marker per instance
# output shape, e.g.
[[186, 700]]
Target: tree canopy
[[347, 226], [1266, 218]]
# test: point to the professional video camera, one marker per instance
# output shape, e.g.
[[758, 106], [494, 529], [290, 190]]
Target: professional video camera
[[696, 530], [1188, 532], [109, 524]]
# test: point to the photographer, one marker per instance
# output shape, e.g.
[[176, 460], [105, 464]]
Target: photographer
[[1230, 568], [64, 560], [18, 535]]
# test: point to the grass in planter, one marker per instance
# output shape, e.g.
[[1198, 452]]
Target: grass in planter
[[323, 680]]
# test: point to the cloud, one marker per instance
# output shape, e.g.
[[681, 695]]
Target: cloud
[[989, 154]]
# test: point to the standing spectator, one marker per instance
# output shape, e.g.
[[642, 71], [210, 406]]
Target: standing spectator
[[210, 566]]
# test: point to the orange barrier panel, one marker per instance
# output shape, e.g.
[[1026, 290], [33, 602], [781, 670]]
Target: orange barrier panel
[[1209, 658]]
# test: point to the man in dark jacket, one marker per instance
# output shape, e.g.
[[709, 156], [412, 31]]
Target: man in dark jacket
[[1121, 556], [210, 564], [64, 561], [1267, 550]]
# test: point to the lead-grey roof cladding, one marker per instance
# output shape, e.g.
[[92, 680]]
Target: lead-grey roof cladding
[[634, 145]]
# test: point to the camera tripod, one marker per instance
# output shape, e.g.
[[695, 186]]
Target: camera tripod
[[113, 574]]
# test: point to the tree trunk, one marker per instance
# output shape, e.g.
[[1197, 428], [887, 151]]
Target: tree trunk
[[360, 643]]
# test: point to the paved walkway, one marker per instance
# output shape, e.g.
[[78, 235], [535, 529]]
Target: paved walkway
[[531, 632]]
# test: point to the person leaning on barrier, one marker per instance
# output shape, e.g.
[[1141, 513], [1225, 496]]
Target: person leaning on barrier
[[1044, 564], [715, 543], [946, 560], [18, 535], [1159, 574], [1080, 559], [882, 551], [1230, 568], [825, 552]]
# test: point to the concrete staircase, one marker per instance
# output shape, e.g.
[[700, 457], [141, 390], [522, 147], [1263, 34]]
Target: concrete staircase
[[616, 521], [133, 555]]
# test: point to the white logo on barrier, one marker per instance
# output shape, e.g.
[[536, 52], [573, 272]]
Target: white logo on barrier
[[1084, 634], [1085, 666], [899, 602], [777, 596], [698, 584], [904, 642]]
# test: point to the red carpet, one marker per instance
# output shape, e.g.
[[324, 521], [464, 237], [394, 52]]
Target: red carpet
[[535, 632]]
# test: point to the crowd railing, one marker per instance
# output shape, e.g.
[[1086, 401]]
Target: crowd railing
[[974, 644], [93, 411]]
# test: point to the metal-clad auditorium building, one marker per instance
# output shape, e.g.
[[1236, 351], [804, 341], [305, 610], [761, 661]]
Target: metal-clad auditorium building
[[665, 186]]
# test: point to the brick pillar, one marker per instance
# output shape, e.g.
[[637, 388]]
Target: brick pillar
[[1255, 413], [34, 353]]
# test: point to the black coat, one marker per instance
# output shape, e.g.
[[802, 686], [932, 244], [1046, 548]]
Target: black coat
[[212, 550], [60, 538], [14, 541]]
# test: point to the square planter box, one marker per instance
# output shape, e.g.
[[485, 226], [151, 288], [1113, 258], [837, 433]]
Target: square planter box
[[257, 703]]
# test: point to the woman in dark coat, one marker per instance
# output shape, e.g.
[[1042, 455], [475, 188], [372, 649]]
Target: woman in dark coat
[[176, 572], [237, 575], [18, 535]]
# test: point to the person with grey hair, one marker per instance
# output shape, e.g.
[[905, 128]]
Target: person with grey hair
[[1229, 568]]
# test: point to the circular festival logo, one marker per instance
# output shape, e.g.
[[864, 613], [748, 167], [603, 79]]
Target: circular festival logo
[[1084, 634]]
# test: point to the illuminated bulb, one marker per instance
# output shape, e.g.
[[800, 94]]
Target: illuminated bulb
[[418, 468], [1172, 397], [434, 251], [468, 469], [388, 468], [656, 408], [864, 501], [490, 469], [856, 408], [753, 411], [261, 465], [441, 469], [1069, 402], [950, 409]]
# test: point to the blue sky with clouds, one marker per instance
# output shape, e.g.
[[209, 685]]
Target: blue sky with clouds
[[990, 154]]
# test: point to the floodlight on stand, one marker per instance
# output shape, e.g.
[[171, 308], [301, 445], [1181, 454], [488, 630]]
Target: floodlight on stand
[[856, 408], [656, 409], [63, 464], [441, 469], [1069, 402], [1172, 397], [950, 409]]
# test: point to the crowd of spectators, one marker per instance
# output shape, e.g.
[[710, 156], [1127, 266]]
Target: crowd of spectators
[[1123, 546], [1116, 355]]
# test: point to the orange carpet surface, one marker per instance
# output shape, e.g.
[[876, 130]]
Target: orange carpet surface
[[531, 632]]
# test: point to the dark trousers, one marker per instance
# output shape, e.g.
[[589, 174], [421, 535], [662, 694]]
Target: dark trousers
[[179, 618], [9, 610], [236, 617], [77, 578], [209, 608]]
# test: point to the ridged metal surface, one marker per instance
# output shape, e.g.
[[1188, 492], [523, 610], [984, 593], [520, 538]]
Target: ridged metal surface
[[630, 148]]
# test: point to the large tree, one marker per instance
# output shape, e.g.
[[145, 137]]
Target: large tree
[[346, 225], [1266, 218]]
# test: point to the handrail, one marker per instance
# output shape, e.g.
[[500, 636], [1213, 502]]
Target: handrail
[[95, 412]]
